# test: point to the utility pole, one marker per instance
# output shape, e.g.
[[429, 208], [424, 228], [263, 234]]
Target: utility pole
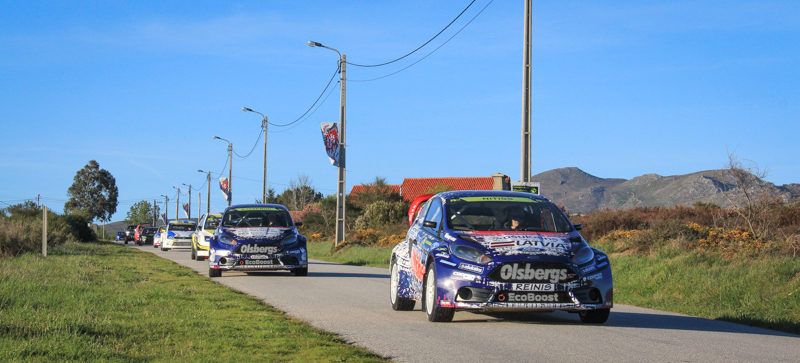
[[525, 166], [199, 206], [166, 208], [264, 127], [155, 213], [189, 212], [230, 173], [44, 231], [208, 200], [177, 204]]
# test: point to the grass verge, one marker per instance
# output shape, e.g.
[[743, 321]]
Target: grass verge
[[104, 302], [351, 255]]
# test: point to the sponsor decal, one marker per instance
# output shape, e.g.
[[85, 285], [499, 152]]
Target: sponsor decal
[[588, 269], [250, 249], [259, 262], [253, 209], [525, 242], [533, 297], [443, 255], [449, 237], [448, 262], [531, 272], [444, 302], [465, 276], [602, 264], [533, 287], [426, 242], [417, 263], [256, 232], [442, 249], [595, 276], [495, 199], [601, 257], [471, 268]]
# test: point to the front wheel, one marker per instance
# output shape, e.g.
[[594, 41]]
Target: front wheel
[[212, 272], [194, 255], [435, 313], [126, 241], [599, 316], [399, 303], [301, 271], [200, 258]]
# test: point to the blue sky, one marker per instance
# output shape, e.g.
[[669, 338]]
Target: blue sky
[[620, 89]]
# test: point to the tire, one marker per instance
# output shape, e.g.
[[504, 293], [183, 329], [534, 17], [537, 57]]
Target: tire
[[200, 258], [194, 255], [435, 313], [599, 316], [301, 271], [126, 241], [399, 303], [214, 273]]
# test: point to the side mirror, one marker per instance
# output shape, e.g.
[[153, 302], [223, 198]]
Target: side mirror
[[298, 224], [429, 224], [578, 227], [214, 224]]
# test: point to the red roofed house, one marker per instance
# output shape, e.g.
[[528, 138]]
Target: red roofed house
[[414, 187]]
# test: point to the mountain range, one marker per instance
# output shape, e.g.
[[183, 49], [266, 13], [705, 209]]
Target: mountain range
[[582, 192]]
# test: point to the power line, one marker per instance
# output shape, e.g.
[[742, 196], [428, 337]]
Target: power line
[[315, 102], [420, 47], [309, 115], [251, 150], [426, 56]]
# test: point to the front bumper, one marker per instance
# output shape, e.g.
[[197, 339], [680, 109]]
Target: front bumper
[[178, 244], [287, 260]]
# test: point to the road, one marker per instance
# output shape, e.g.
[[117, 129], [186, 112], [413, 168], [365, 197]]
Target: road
[[353, 302]]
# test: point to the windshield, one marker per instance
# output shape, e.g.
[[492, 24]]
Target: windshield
[[149, 230], [505, 214], [212, 222], [182, 227], [257, 217]]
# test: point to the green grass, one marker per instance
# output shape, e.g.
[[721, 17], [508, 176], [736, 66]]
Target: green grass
[[351, 255], [105, 302]]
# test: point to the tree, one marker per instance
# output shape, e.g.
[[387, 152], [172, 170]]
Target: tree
[[271, 198], [141, 212], [749, 196], [377, 190], [94, 192], [299, 194]]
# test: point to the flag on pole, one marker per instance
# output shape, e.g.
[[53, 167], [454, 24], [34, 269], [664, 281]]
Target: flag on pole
[[186, 209], [223, 185], [330, 136], [164, 217]]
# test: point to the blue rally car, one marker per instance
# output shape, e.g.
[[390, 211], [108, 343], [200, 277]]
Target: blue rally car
[[498, 251], [254, 237]]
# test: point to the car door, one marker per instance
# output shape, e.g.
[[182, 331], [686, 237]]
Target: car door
[[427, 238], [198, 235]]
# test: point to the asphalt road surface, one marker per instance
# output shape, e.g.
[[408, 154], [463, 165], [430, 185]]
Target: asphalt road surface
[[353, 302]]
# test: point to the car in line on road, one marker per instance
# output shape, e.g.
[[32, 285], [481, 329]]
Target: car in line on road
[[157, 238], [495, 251], [120, 236], [138, 231], [130, 231], [178, 235], [201, 239], [146, 235], [253, 237]]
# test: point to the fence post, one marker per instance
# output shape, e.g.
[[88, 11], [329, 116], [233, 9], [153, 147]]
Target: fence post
[[44, 231]]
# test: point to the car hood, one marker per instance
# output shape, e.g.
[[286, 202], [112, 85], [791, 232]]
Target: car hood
[[523, 243]]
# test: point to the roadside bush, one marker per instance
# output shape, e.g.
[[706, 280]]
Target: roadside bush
[[21, 232], [382, 213]]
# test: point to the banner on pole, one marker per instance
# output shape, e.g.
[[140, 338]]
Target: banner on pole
[[330, 136], [164, 217], [223, 186], [186, 209]]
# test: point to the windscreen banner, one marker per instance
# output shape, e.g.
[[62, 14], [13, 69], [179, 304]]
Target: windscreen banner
[[330, 136], [224, 187]]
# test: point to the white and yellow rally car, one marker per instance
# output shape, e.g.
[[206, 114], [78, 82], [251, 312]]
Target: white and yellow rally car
[[202, 236]]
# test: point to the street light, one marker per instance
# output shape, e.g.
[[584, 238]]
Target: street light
[[166, 208], [208, 199], [177, 203], [230, 169], [340, 190], [264, 126], [189, 213]]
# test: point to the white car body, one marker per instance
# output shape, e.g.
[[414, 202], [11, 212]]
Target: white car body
[[178, 236], [205, 230]]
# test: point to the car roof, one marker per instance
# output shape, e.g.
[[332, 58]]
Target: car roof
[[488, 193], [238, 206]]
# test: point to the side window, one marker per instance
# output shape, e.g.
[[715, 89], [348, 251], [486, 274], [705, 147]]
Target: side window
[[434, 214], [202, 223]]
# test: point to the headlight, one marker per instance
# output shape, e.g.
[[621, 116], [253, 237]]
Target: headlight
[[208, 239], [228, 240], [290, 239], [170, 237], [470, 254], [583, 255]]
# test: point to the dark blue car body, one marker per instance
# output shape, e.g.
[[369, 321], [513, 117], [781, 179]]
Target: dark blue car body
[[462, 253], [257, 237]]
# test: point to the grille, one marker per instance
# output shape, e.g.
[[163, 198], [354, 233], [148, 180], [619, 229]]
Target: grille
[[533, 272]]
